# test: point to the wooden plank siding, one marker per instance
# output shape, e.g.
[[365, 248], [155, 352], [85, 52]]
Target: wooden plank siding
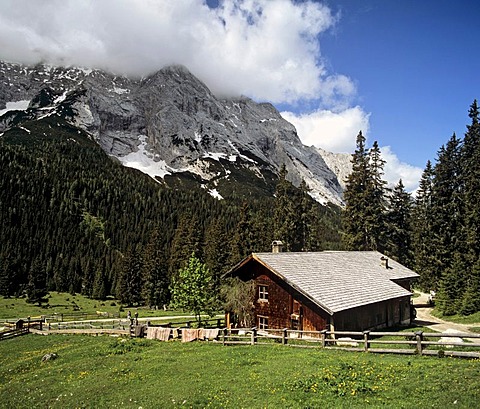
[[384, 314], [283, 301]]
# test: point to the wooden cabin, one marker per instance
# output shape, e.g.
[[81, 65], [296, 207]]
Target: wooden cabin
[[333, 290]]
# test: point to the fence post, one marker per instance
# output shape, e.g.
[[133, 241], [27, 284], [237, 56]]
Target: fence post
[[366, 344], [224, 336], [419, 337], [285, 336], [254, 336], [324, 336]]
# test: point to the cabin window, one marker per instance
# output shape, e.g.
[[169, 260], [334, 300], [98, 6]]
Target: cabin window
[[262, 323], [263, 292]]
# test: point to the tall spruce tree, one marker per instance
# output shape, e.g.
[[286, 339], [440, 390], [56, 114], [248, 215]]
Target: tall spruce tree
[[99, 289], [216, 252], [242, 242], [155, 281], [364, 215], [470, 155], [447, 202], [287, 227], [356, 236], [377, 203], [129, 282], [310, 225], [37, 284], [398, 218], [425, 263], [446, 244], [187, 239]]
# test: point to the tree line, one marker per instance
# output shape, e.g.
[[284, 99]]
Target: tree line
[[437, 233]]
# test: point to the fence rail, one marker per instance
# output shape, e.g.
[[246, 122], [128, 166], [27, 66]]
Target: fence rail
[[11, 333], [419, 342], [205, 323], [120, 324]]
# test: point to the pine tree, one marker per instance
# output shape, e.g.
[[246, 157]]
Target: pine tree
[[425, 262], [446, 205], [242, 243], [287, 227], [187, 239], [471, 298], [8, 276], [238, 297], [154, 274], [99, 289], [129, 284], [376, 205], [216, 252], [470, 156], [451, 287], [398, 243], [37, 284], [363, 218], [311, 226], [355, 236]]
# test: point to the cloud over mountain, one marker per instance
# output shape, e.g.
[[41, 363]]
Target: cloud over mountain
[[268, 50]]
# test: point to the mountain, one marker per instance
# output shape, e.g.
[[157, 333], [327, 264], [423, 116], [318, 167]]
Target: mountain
[[170, 126]]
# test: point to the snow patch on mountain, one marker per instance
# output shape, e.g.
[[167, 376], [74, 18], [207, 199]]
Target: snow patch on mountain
[[144, 161], [15, 106]]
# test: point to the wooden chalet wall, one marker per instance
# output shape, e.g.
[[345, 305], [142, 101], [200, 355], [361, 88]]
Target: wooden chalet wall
[[283, 301], [384, 314]]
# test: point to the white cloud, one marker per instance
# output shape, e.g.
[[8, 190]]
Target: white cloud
[[396, 170], [268, 50], [332, 131], [337, 131]]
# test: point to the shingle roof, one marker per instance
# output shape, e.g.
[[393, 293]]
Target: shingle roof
[[339, 280]]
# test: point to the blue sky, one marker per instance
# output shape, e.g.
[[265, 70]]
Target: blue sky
[[404, 72], [416, 65]]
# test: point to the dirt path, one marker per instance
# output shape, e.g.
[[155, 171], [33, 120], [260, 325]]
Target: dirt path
[[426, 319]]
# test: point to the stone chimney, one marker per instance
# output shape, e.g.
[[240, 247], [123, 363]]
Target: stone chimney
[[277, 246], [384, 261]]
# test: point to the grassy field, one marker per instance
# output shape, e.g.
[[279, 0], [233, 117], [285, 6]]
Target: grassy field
[[461, 319], [106, 372], [64, 303]]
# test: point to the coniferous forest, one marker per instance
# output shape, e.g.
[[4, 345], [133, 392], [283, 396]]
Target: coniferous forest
[[74, 219], [436, 233]]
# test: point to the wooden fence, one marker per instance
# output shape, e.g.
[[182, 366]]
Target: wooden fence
[[120, 324], [421, 343], [205, 323], [20, 327], [78, 316], [13, 332]]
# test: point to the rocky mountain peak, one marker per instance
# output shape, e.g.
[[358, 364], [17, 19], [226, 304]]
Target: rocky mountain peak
[[170, 125]]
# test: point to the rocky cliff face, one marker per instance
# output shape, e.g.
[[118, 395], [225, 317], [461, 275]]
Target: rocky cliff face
[[169, 125]]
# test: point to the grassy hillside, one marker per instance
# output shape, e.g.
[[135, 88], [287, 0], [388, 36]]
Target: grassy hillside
[[107, 372], [68, 304]]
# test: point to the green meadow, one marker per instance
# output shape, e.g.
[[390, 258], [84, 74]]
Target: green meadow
[[107, 372], [68, 304]]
